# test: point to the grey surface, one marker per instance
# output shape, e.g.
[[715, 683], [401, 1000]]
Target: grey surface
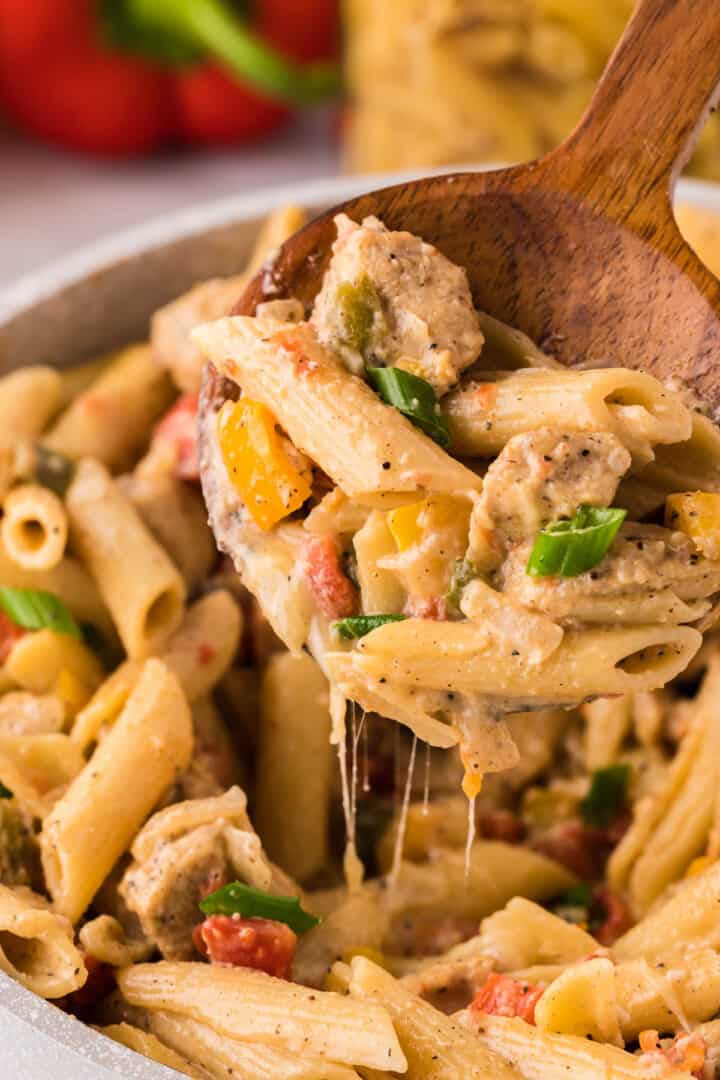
[[52, 203], [95, 299]]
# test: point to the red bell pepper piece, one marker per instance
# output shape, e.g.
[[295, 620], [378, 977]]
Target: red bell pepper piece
[[122, 77]]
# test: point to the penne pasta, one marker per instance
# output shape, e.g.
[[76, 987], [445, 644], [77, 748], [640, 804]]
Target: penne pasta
[[249, 1005], [36, 945], [292, 794], [29, 398], [111, 419], [221, 1056], [34, 527], [198, 653], [328, 413], [140, 585], [147, 1044], [486, 412], [152, 738]]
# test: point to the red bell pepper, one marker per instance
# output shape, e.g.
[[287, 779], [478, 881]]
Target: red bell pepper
[[122, 77]]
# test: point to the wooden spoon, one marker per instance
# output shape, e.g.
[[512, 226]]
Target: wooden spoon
[[579, 249]]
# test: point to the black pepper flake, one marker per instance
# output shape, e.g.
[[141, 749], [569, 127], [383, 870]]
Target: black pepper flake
[[386, 464]]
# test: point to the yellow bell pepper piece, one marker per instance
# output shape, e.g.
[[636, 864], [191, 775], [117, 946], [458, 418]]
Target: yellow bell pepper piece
[[696, 513], [269, 482], [408, 524], [370, 954]]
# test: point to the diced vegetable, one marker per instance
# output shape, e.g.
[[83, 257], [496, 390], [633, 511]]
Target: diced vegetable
[[413, 397], [607, 795], [52, 469], [359, 310], [697, 514], [5, 792], [409, 524], [268, 480], [569, 548], [239, 899], [264, 944], [358, 626], [33, 609], [10, 633], [463, 573], [502, 995]]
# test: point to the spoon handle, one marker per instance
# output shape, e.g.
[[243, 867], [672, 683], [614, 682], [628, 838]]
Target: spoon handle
[[640, 127]]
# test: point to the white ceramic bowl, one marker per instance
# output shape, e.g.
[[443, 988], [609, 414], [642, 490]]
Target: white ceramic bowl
[[89, 302]]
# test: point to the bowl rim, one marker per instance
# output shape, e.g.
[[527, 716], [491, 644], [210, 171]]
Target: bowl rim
[[32, 1014], [40, 284]]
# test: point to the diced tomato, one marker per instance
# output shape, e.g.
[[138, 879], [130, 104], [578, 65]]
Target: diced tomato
[[10, 632], [177, 428], [100, 982], [256, 943], [332, 590], [501, 995], [618, 917], [501, 825], [685, 1051], [427, 607]]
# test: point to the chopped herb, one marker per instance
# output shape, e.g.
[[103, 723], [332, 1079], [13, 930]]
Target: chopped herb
[[607, 795], [359, 310], [52, 470], [463, 573], [579, 895], [414, 398], [239, 899], [33, 609], [357, 626], [569, 548], [5, 792]]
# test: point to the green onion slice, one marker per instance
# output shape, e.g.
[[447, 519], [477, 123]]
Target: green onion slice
[[413, 397], [607, 795], [33, 609], [463, 573], [569, 548], [239, 899], [5, 792], [357, 626]]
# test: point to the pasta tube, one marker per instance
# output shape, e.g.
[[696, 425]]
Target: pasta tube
[[34, 527], [436, 1046], [486, 412], [198, 653], [541, 1056], [223, 1057], [29, 398], [36, 945], [249, 1005], [292, 793], [334, 417], [142, 588], [152, 740], [112, 419], [147, 1044]]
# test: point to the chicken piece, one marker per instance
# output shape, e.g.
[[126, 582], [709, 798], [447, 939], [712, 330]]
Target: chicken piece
[[184, 852], [390, 299], [649, 575], [172, 324], [544, 475]]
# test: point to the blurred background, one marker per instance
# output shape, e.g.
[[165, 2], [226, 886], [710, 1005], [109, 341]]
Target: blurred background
[[113, 111]]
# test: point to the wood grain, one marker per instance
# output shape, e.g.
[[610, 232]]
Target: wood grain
[[579, 249]]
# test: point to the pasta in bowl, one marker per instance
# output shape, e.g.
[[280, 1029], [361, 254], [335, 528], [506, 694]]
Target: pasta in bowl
[[171, 826], [455, 530]]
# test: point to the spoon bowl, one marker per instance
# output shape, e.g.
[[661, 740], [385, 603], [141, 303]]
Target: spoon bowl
[[580, 249]]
